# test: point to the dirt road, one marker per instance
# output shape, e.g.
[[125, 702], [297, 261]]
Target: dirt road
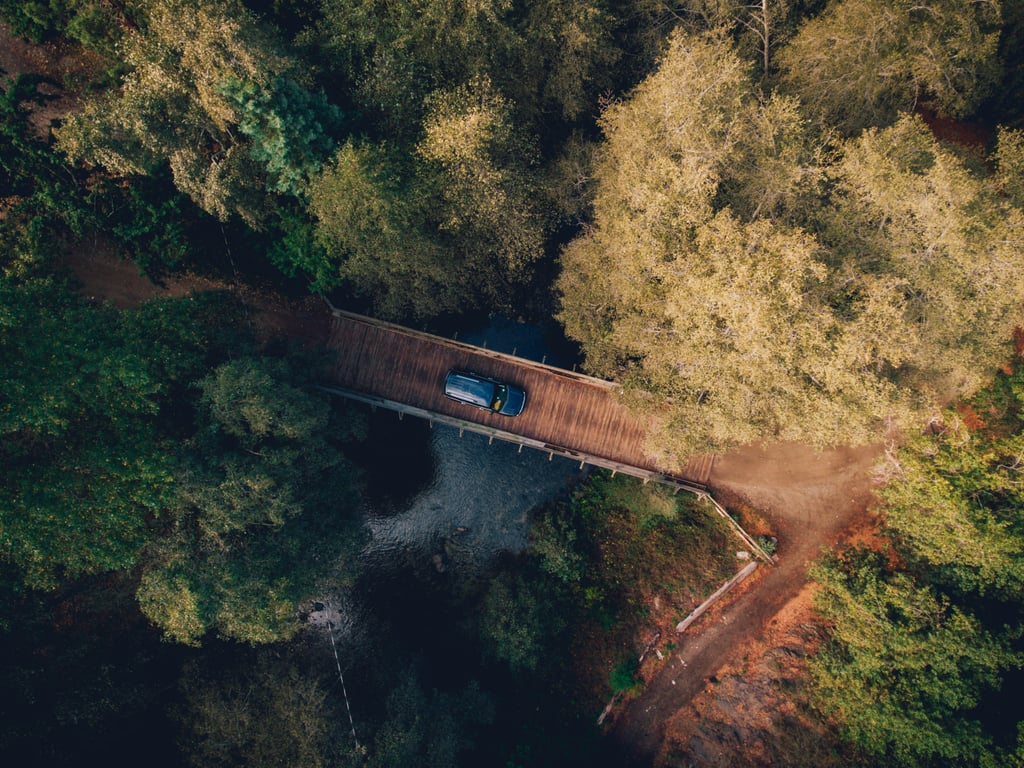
[[102, 275], [810, 498]]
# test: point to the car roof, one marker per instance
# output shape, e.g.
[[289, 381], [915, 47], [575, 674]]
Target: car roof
[[467, 386]]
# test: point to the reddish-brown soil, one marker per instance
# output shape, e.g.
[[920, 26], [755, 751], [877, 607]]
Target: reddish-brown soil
[[105, 277], [809, 499]]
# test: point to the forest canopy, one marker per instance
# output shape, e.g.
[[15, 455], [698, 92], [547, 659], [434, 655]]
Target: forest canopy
[[926, 624], [774, 221], [746, 259], [746, 277]]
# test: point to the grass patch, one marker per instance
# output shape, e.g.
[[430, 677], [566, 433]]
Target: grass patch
[[631, 558], [623, 677]]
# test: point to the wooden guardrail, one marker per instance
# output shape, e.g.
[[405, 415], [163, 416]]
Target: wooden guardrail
[[524, 362]]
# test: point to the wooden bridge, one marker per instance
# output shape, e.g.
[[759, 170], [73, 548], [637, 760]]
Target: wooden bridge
[[567, 413]]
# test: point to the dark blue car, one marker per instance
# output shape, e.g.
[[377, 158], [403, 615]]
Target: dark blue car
[[479, 391]]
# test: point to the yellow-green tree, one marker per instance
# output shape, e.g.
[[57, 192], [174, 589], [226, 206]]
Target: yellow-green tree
[[262, 509], [716, 322], [452, 227], [478, 167], [861, 61], [909, 217], [548, 56], [210, 92], [884, 280]]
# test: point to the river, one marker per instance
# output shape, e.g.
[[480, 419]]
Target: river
[[475, 501], [442, 506]]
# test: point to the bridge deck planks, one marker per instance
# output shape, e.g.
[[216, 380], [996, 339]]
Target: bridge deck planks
[[565, 410]]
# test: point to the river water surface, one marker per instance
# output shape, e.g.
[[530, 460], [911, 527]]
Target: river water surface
[[469, 499], [441, 508]]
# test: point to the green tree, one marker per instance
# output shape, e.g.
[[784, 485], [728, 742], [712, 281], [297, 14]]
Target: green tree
[[86, 466], [373, 234], [546, 57], [50, 202], [95, 25], [396, 54], [477, 166], [915, 219], [44, 201], [452, 228], [429, 728], [926, 632], [861, 61], [905, 669], [269, 713], [291, 129], [566, 59], [1010, 160], [553, 542], [210, 92], [262, 511], [514, 622], [24, 158], [953, 502]]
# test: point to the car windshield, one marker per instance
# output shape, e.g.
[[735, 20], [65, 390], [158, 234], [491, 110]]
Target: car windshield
[[500, 396]]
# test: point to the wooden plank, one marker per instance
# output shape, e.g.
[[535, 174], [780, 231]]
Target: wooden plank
[[748, 569], [578, 414]]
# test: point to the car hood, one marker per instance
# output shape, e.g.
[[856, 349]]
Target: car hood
[[515, 403]]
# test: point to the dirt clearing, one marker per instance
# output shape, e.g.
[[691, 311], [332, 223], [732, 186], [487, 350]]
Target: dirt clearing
[[104, 276]]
